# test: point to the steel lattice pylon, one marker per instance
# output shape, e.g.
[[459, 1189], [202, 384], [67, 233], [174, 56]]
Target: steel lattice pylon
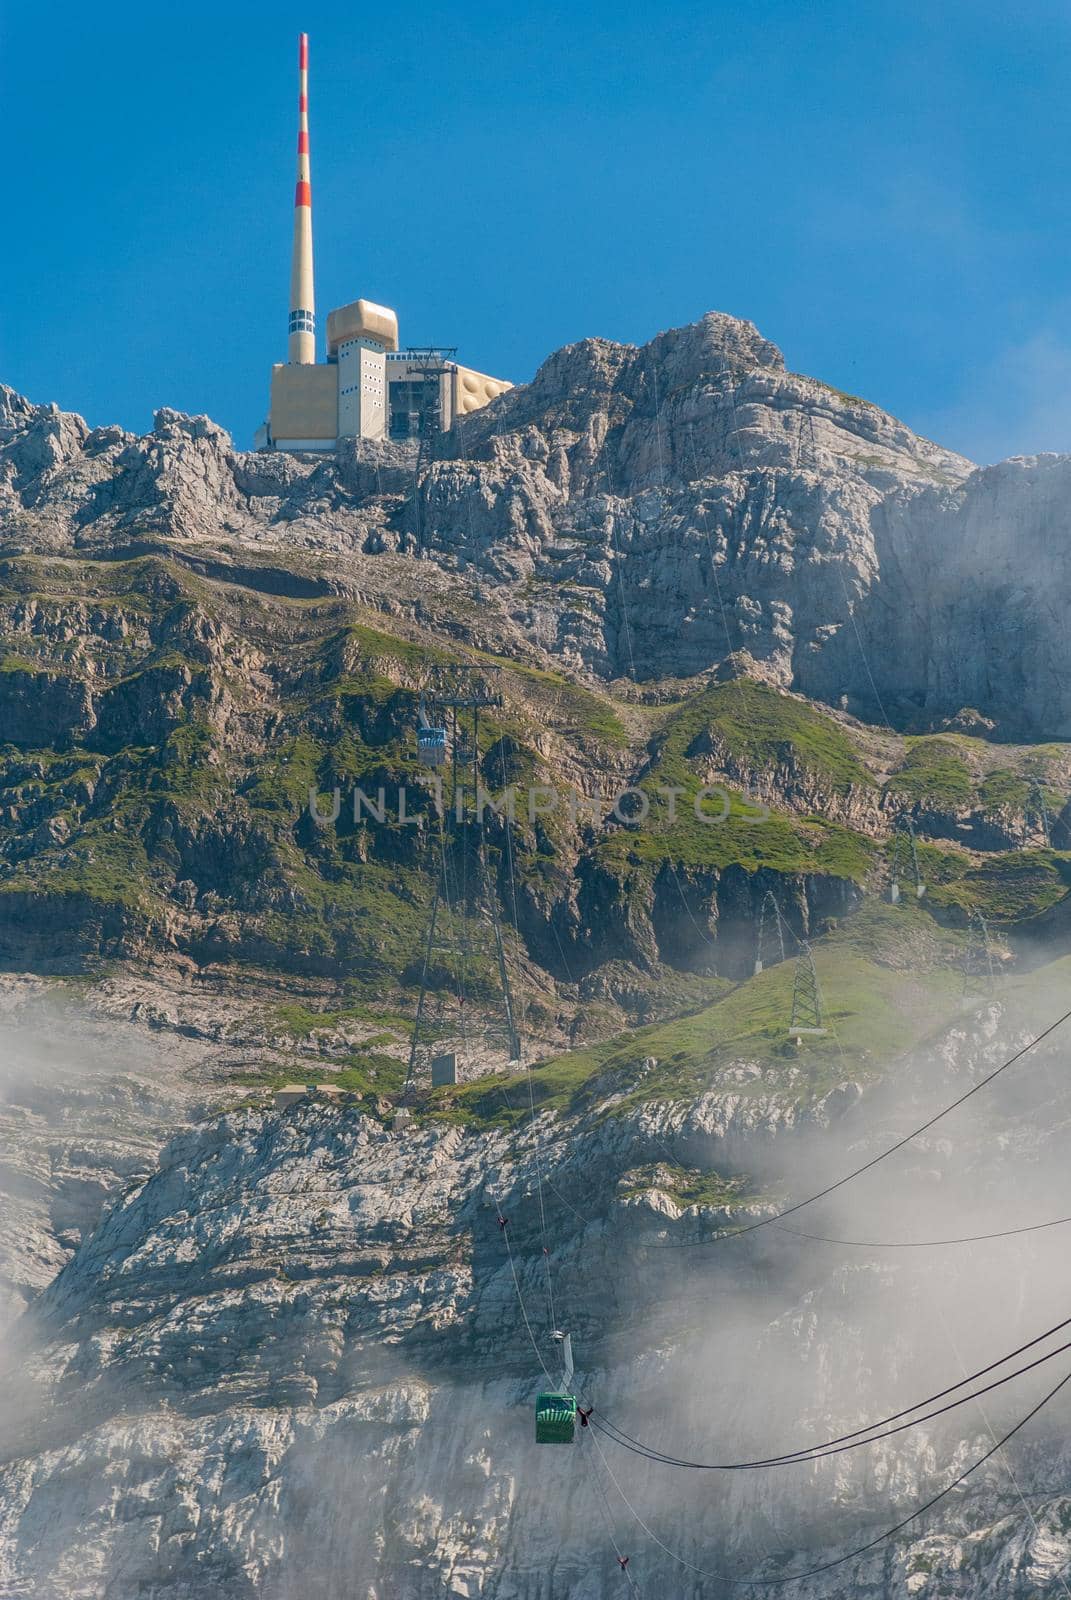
[[811, 448], [806, 997], [465, 1006], [1036, 807], [770, 944], [979, 972], [905, 860]]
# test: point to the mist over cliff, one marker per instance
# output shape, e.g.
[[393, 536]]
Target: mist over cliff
[[301, 1312]]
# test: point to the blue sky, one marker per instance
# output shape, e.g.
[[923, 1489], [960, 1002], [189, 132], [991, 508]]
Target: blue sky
[[883, 188]]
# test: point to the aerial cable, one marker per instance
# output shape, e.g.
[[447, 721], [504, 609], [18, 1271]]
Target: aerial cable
[[805, 987], [617, 551], [658, 432], [703, 934], [850, 1555], [818, 1238], [806, 1017], [503, 1225], [941, 1394], [963, 1399], [925, 1244], [504, 1230], [807, 1458], [429, 945], [622, 1561], [266, 1202], [1005, 1463], [831, 1188], [736, 429], [453, 914], [866, 663], [523, 1055]]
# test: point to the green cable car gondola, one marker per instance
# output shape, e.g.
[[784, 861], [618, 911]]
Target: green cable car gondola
[[555, 1418]]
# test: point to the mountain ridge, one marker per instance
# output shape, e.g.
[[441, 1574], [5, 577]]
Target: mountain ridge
[[585, 515]]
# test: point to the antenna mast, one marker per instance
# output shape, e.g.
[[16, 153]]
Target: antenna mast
[[301, 344]]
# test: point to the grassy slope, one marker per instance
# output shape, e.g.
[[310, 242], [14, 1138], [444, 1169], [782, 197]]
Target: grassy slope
[[340, 690], [744, 727], [889, 977]]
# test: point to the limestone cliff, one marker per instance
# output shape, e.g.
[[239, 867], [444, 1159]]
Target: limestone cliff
[[297, 1358]]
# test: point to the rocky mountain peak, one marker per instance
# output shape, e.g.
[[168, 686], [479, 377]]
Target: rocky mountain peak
[[175, 425], [632, 512]]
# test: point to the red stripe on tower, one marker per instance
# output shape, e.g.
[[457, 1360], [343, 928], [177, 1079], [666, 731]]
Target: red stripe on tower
[[303, 51], [303, 144], [303, 194]]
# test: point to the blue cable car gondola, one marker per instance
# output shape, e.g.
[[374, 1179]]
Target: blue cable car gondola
[[431, 746], [431, 742]]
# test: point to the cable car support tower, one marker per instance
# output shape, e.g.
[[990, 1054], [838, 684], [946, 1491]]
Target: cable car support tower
[[770, 944], [464, 922], [979, 966], [807, 1016], [905, 860]]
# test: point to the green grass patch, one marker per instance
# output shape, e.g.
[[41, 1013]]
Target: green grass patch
[[758, 728], [16, 663], [934, 773], [1008, 887], [742, 728], [1004, 790], [301, 1022], [686, 1186]]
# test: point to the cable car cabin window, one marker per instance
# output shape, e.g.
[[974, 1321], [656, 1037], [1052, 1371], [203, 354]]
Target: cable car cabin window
[[555, 1419]]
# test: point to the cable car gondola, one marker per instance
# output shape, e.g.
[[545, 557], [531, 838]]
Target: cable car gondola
[[431, 742], [555, 1419], [556, 1411], [431, 746]]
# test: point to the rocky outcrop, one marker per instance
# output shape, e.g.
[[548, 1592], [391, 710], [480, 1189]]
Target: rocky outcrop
[[635, 513]]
